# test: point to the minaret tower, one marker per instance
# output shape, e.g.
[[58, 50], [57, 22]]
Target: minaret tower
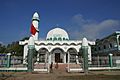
[[34, 26]]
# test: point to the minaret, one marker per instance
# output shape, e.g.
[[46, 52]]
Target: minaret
[[34, 26], [85, 55]]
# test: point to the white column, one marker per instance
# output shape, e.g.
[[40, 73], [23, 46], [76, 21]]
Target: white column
[[45, 57], [68, 62], [98, 59], [49, 59], [118, 41], [64, 57], [53, 58], [38, 58], [77, 61], [25, 54]]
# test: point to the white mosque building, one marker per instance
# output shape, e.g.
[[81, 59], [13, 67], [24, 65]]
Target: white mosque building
[[57, 46]]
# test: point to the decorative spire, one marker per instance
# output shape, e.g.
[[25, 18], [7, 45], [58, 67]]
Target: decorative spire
[[84, 42]]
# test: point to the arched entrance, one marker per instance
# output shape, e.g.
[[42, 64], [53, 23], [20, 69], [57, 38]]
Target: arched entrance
[[57, 55], [42, 55], [73, 60], [73, 55]]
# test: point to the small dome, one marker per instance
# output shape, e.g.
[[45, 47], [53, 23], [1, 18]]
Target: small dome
[[84, 42], [35, 14], [57, 34]]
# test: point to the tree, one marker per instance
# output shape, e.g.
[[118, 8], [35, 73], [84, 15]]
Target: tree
[[2, 48], [13, 48]]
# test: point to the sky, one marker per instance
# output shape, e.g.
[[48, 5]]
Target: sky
[[80, 18]]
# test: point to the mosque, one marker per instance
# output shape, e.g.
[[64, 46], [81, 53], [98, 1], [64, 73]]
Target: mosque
[[57, 45]]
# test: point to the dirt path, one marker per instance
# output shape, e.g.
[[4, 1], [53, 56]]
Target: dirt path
[[59, 74]]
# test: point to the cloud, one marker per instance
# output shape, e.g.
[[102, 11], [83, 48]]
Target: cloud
[[1, 42], [92, 29], [78, 19]]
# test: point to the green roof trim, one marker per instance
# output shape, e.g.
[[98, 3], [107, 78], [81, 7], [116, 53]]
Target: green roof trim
[[57, 39]]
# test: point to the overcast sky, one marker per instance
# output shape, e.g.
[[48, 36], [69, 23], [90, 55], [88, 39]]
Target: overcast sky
[[80, 18]]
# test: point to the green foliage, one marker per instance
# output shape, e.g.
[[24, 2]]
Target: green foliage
[[13, 48], [2, 48]]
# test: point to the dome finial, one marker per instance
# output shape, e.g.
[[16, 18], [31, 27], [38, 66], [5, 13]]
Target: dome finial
[[57, 25], [36, 16], [84, 42]]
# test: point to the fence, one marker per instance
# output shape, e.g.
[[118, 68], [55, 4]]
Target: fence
[[103, 61], [15, 61]]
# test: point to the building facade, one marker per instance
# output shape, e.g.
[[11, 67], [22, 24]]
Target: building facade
[[107, 45], [56, 47]]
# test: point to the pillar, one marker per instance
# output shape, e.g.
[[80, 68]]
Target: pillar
[[118, 41], [38, 58], [64, 57], [50, 59], [49, 62], [98, 60], [77, 60], [31, 51], [30, 59], [85, 58], [25, 54], [85, 55], [68, 62], [8, 60], [110, 60]]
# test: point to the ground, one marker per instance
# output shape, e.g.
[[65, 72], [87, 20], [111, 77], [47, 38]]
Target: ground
[[61, 75]]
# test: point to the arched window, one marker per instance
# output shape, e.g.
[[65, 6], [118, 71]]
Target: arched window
[[54, 38], [64, 39], [50, 39], [104, 46], [99, 48], [60, 39], [111, 45], [95, 49]]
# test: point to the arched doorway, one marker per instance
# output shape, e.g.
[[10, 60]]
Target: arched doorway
[[42, 55], [57, 55], [73, 59], [73, 55]]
